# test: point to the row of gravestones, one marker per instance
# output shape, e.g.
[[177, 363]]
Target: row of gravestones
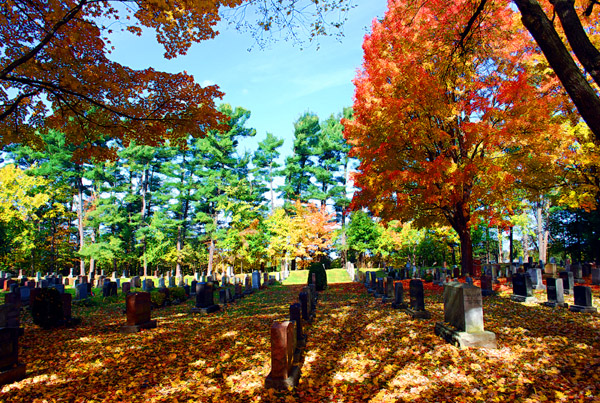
[[463, 308], [556, 288], [288, 341]]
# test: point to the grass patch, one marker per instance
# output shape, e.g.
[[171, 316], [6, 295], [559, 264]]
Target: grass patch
[[333, 276]]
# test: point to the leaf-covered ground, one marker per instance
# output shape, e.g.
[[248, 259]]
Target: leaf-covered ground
[[358, 349]]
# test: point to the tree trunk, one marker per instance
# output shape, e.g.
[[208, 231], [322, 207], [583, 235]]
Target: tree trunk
[[211, 253], [572, 78], [80, 223], [92, 260], [510, 246], [143, 219], [460, 222], [542, 235]]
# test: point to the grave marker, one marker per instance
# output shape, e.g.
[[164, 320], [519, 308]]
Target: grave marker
[[284, 374], [556, 295], [583, 299], [10, 368], [138, 305], [204, 299], [417, 300], [522, 288], [568, 282], [399, 296], [463, 317]]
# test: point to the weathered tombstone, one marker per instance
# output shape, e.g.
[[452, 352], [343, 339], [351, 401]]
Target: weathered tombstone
[[284, 374], [161, 282], [583, 299], [379, 290], [417, 300], [238, 291], [10, 368], [399, 297], [205, 299], [136, 282], [138, 306], [389, 289], [536, 279], [81, 291], [106, 289], [296, 317], [7, 284], [463, 317], [522, 289], [223, 296], [180, 282], [487, 286], [595, 276], [10, 316], [567, 278], [556, 295], [577, 271], [255, 280], [193, 287], [171, 281], [265, 279], [126, 287], [305, 306]]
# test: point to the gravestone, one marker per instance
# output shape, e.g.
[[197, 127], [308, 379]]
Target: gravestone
[[14, 299], [284, 374], [417, 300], [568, 282], [193, 287], [161, 282], [487, 285], [583, 299], [138, 305], [180, 282], [550, 269], [399, 297], [205, 299], [248, 285], [304, 306], [255, 280], [238, 291], [136, 282], [171, 281], [595, 276], [223, 296], [81, 291], [379, 290], [10, 316], [577, 271], [463, 317], [24, 293], [389, 289], [296, 317], [30, 284], [536, 279], [126, 287], [522, 289], [556, 295], [10, 368]]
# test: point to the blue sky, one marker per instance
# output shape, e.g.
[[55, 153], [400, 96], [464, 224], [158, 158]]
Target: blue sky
[[276, 84]]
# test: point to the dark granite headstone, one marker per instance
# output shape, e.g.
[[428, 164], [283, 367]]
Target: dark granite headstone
[[399, 297], [555, 292], [568, 281], [303, 297], [10, 368], [583, 299], [205, 302], [296, 316], [417, 300], [81, 291], [522, 288], [138, 307]]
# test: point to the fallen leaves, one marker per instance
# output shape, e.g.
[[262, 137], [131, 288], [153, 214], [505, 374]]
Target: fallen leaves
[[358, 349]]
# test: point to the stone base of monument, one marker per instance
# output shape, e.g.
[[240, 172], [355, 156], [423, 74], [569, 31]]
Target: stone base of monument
[[151, 324], [377, 295], [553, 304], [284, 384], [488, 293], [579, 281], [205, 311], [13, 374], [521, 298], [483, 339], [585, 309], [385, 299], [538, 287], [418, 314], [401, 305]]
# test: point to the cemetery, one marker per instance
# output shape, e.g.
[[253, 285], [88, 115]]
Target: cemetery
[[434, 237], [289, 342]]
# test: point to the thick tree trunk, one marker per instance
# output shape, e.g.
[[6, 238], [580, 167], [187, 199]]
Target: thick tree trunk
[[211, 254], [572, 78], [542, 234], [460, 222], [143, 219], [525, 246]]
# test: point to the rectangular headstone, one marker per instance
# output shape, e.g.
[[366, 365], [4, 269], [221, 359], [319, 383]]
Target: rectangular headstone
[[283, 344], [583, 299], [568, 281], [555, 292]]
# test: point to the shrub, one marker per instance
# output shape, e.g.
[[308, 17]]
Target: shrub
[[47, 308], [321, 274], [157, 298], [177, 293]]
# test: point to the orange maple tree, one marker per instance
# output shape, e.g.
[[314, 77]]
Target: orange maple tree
[[439, 115]]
